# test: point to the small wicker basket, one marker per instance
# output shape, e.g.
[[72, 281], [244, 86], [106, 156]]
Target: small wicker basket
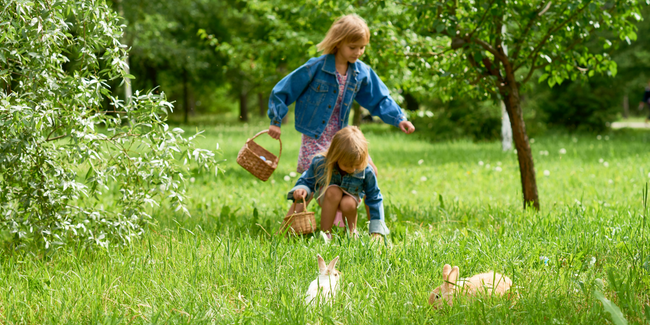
[[250, 155], [301, 223]]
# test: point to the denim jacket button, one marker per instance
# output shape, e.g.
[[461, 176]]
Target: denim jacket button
[[323, 121], [329, 106], [334, 91]]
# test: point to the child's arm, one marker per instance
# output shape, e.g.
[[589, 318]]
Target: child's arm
[[374, 96], [375, 203], [285, 93], [306, 182]]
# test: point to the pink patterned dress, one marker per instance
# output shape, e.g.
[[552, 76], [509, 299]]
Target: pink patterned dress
[[310, 146]]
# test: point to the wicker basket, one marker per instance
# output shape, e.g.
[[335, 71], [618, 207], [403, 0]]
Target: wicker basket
[[301, 223], [249, 158]]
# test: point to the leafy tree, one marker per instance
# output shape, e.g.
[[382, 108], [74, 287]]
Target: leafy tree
[[165, 46], [60, 149], [496, 46]]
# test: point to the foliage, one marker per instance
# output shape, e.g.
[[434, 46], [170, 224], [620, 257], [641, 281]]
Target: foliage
[[166, 51], [582, 106], [459, 118], [443, 205], [53, 130]]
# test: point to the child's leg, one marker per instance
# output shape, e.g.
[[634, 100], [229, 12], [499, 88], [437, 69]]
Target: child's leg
[[348, 206], [330, 203]]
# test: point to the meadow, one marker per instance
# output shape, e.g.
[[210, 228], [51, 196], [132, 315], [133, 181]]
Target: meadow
[[582, 259]]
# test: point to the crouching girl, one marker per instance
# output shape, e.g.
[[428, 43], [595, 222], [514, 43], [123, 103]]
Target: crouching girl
[[339, 178]]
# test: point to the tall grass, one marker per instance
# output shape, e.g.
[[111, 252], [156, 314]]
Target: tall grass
[[580, 258]]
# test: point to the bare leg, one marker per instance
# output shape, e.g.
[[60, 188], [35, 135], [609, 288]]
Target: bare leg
[[330, 204], [349, 208]]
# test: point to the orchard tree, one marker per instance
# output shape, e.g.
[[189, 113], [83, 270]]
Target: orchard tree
[[60, 149], [496, 46]]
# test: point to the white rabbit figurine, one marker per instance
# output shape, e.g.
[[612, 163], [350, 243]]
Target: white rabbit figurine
[[327, 282], [484, 283]]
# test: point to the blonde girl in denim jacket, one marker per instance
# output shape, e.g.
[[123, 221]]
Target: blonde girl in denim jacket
[[325, 87], [339, 178]]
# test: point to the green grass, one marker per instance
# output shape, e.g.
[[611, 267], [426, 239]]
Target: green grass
[[223, 265]]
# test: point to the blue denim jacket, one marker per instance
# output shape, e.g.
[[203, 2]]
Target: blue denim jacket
[[314, 88], [358, 184]]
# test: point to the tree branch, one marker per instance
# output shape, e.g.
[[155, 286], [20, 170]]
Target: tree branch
[[489, 48], [551, 32], [482, 19], [517, 41]]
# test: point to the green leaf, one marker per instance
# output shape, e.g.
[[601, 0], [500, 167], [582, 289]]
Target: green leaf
[[611, 308], [543, 77]]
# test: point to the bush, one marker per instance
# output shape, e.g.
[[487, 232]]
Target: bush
[[54, 130], [458, 119], [579, 106]]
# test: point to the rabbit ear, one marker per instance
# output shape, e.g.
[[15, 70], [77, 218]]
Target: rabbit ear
[[445, 272], [332, 264], [322, 267], [453, 275]]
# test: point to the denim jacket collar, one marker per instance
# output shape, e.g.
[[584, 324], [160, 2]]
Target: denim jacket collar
[[360, 174], [330, 65]]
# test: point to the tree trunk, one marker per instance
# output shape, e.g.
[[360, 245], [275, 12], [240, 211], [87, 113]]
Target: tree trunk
[[510, 95], [186, 97], [626, 106], [127, 69], [356, 119], [263, 104], [412, 104], [506, 129], [243, 106]]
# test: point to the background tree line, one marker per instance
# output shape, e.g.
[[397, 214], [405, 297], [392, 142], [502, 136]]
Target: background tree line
[[224, 56]]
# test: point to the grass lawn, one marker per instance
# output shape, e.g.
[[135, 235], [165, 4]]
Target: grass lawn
[[452, 202]]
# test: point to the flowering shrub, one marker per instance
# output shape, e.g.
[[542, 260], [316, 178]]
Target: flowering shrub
[[61, 149]]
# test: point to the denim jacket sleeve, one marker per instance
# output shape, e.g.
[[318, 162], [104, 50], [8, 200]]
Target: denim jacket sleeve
[[307, 180], [287, 91], [375, 203], [374, 96]]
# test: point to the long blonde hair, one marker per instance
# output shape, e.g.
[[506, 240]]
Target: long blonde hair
[[348, 147], [347, 29]]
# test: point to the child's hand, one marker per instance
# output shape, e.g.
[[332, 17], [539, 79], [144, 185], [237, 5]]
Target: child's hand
[[274, 132], [299, 194], [406, 127]]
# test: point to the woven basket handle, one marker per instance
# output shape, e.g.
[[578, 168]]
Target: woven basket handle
[[267, 131], [292, 215]]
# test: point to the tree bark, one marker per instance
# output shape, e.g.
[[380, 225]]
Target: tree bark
[[626, 106], [506, 129], [356, 119], [512, 101], [243, 106], [263, 105]]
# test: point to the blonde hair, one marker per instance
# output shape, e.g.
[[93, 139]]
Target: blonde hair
[[347, 29], [349, 147]]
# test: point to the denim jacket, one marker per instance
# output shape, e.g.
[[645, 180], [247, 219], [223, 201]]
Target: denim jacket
[[358, 184], [314, 88]]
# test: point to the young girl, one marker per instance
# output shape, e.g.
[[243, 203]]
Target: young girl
[[338, 179], [324, 88]]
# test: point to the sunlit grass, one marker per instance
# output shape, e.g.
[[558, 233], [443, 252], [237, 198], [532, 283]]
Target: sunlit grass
[[450, 202]]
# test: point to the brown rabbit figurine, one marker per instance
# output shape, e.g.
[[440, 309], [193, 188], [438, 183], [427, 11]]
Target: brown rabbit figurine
[[484, 283]]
